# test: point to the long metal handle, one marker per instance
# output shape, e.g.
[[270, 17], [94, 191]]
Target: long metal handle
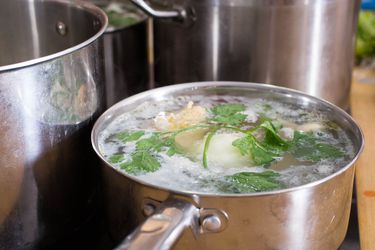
[[161, 230], [179, 15]]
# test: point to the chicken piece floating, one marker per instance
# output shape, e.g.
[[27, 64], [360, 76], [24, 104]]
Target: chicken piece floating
[[188, 116]]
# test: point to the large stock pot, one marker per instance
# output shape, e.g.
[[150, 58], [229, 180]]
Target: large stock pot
[[301, 44], [312, 216], [51, 91]]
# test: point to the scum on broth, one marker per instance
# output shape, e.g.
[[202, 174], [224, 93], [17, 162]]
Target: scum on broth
[[185, 172]]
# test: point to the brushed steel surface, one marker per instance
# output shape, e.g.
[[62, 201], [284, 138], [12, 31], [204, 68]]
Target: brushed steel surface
[[51, 92], [312, 216], [126, 65], [301, 44]]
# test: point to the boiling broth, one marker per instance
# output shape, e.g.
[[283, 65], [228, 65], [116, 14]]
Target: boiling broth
[[303, 146]]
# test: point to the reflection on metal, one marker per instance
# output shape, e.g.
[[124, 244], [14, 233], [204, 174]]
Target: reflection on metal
[[127, 57], [50, 94], [34, 30], [317, 54], [305, 45], [216, 43], [301, 202], [57, 93], [61, 28]]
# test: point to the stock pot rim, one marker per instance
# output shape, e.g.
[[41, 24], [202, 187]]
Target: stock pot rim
[[213, 84], [92, 9]]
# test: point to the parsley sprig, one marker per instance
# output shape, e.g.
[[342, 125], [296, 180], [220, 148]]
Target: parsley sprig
[[245, 182], [228, 114]]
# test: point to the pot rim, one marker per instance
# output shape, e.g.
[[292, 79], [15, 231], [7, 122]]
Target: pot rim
[[87, 6], [212, 84]]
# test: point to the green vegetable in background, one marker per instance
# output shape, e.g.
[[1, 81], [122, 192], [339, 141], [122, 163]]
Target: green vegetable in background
[[365, 40]]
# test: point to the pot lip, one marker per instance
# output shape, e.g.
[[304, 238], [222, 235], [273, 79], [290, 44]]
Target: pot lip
[[87, 6], [212, 84]]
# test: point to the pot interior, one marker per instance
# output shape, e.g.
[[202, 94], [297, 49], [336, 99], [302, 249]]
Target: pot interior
[[249, 90], [35, 29]]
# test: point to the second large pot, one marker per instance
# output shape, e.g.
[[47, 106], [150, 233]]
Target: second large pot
[[312, 216], [125, 51], [305, 45]]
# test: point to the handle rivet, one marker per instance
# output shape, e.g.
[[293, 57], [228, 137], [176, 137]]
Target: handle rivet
[[148, 209], [61, 28], [212, 223]]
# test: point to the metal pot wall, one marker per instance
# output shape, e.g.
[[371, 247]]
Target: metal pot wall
[[125, 52], [51, 92], [126, 66], [305, 45], [312, 216]]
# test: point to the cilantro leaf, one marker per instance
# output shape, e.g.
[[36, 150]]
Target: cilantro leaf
[[272, 139], [263, 152], [307, 146], [245, 182], [117, 158], [235, 119], [142, 161], [127, 136], [228, 109], [259, 153], [229, 114], [154, 142], [170, 143]]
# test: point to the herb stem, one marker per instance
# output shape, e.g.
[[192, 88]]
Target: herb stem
[[234, 129], [175, 133], [206, 145]]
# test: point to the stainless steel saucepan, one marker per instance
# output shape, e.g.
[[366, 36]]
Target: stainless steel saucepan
[[312, 216]]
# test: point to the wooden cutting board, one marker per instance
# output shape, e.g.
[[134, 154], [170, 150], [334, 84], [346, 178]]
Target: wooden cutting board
[[363, 111]]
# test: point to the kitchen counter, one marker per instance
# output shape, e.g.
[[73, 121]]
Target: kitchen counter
[[363, 111]]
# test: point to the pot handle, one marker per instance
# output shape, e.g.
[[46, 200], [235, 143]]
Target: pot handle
[[177, 14], [161, 230]]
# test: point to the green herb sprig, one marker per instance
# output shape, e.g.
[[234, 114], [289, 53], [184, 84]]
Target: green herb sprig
[[262, 151], [246, 182], [228, 114]]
